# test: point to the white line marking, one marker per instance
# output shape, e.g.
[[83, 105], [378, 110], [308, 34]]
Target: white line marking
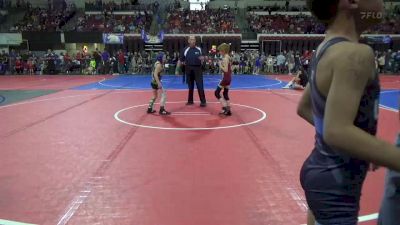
[[365, 218], [263, 117], [368, 217], [72, 208], [391, 91], [388, 108], [113, 86], [9, 222], [267, 85], [121, 87]]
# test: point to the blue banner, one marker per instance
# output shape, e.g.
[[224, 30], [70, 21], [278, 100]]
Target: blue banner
[[150, 39], [113, 38], [379, 40]]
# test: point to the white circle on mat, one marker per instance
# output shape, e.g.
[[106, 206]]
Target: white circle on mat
[[263, 116]]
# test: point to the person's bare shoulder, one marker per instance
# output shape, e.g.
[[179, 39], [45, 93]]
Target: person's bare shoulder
[[355, 57], [158, 67]]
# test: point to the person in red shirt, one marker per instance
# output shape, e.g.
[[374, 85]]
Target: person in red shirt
[[30, 66], [18, 66], [67, 63], [121, 62]]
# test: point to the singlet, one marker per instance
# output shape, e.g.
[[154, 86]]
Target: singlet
[[367, 114], [227, 76], [159, 74], [333, 180]]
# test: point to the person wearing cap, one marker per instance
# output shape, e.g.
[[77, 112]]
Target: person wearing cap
[[156, 85], [192, 57]]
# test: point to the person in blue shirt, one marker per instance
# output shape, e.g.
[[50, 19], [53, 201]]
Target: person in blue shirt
[[281, 60], [396, 62], [192, 57]]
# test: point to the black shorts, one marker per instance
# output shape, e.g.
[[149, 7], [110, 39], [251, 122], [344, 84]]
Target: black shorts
[[333, 194], [154, 86]]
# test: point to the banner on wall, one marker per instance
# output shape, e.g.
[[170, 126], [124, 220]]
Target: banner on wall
[[151, 39], [379, 39], [10, 39], [113, 38]]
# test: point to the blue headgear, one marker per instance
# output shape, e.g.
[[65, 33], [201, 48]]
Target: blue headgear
[[160, 57]]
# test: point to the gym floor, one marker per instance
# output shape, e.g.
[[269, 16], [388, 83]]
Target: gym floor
[[81, 150]]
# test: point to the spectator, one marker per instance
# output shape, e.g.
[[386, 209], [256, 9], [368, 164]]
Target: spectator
[[299, 82], [290, 62], [381, 63], [270, 64], [18, 66], [281, 60], [397, 62], [121, 62], [258, 65], [388, 60]]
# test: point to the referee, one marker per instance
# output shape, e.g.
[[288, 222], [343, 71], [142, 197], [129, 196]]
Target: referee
[[192, 58]]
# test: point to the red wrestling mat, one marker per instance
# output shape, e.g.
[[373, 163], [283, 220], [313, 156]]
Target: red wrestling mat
[[42, 82], [390, 82], [95, 157]]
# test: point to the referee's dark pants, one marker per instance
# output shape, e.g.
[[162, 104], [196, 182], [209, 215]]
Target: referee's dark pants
[[195, 73]]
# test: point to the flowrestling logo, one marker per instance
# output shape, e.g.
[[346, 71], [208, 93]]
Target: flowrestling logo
[[371, 15]]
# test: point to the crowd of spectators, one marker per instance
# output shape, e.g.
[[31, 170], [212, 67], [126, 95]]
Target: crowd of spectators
[[278, 8], [254, 62], [124, 5], [109, 22], [285, 24], [106, 20], [88, 63], [387, 61], [179, 20], [37, 19], [121, 62], [306, 24], [99, 5], [205, 21]]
